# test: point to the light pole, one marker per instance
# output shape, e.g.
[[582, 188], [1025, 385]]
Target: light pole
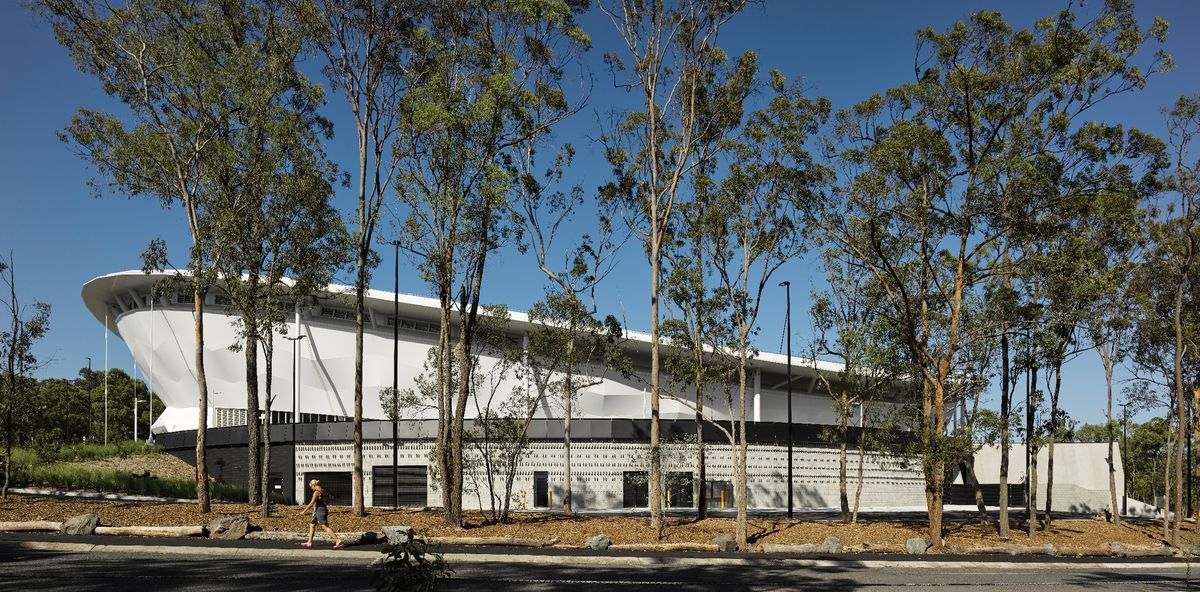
[[787, 286], [1124, 461], [295, 390], [395, 376]]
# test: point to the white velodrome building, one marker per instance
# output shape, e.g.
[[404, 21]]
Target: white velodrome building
[[609, 427]]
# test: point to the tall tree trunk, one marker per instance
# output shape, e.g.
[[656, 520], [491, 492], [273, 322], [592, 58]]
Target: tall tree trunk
[[698, 353], [269, 353], [843, 498], [567, 503], [934, 469], [454, 507], [445, 406], [1180, 407], [701, 478], [568, 403], [858, 487], [966, 466], [202, 386], [360, 290], [1031, 449], [655, 487], [1005, 405], [739, 464], [1050, 442], [1167, 483], [253, 483], [1107, 358]]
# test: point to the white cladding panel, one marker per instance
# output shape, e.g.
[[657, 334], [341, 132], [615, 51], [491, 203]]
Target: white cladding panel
[[162, 344]]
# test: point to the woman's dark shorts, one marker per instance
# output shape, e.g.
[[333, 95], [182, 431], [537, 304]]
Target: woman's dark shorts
[[320, 516]]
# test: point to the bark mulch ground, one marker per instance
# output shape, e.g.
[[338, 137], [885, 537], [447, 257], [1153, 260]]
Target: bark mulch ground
[[868, 535]]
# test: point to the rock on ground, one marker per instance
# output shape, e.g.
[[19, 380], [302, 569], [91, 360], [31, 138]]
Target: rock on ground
[[230, 528], [398, 535], [1117, 549], [81, 524], [917, 546], [725, 543], [599, 542], [831, 545]]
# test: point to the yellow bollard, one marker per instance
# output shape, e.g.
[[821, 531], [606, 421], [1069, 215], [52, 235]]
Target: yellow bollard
[[722, 499], [549, 500], [668, 498], [522, 499]]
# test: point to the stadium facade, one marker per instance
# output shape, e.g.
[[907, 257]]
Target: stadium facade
[[610, 424]]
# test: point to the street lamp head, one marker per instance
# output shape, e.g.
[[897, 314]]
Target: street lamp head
[[785, 283]]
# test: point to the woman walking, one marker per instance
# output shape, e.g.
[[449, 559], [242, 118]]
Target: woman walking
[[320, 515]]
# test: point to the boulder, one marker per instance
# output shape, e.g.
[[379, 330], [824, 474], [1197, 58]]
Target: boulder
[[831, 545], [599, 542], [1189, 549], [917, 546], [1050, 550], [1117, 549], [399, 535], [725, 543], [81, 524], [229, 528]]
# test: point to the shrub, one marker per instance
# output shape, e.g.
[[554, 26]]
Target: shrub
[[411, 566]]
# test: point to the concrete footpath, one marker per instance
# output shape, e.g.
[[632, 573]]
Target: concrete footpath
[[459, 555]]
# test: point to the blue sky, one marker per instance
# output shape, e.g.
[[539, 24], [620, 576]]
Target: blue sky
[[61, 236]]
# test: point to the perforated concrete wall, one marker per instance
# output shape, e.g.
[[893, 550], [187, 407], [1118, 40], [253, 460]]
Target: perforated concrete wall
[[598, 470]]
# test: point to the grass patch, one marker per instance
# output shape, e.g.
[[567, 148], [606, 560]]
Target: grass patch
[[31, 470], [67, 477]]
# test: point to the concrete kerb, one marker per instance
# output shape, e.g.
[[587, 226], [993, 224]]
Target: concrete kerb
[[583, 560]]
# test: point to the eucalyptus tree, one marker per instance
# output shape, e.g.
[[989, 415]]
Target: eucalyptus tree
[[368, 59], [272, 215], [1108, 238], [1180, 235], [673, 60], [568, 337], [489, 78], [851, 326], [694, 305], [176, 67], [1001, 305], [941, 170], [1165, 289], [754, 230], [695, 324], [25, 326]]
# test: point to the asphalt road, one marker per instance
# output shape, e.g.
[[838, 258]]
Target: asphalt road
[[52, 570]]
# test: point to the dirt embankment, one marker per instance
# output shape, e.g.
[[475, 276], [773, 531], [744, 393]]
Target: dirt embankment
[[162, 466]]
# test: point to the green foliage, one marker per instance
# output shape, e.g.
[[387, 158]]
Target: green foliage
[[411, 566], [30, 470]]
